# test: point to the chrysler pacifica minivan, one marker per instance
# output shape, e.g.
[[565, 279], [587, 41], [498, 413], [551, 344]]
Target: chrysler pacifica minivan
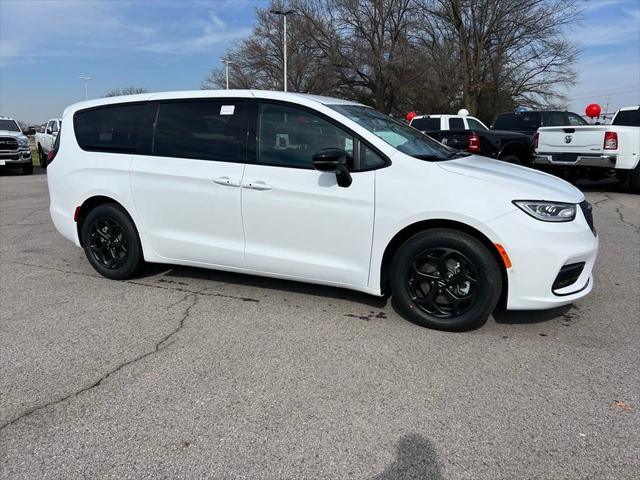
[[318, 190]]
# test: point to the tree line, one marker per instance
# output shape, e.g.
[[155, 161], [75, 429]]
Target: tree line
[[433, 56]]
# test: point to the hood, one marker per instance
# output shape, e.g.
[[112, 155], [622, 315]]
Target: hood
[[521, 183], [8, 133]]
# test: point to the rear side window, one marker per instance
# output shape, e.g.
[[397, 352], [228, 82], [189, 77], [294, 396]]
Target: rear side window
[[517, 121], [426, 124], [124, 128], [628, 118], [456, 124], [204, 129]]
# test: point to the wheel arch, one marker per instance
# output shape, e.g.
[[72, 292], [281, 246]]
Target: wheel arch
[[93, 202], [410, 230], [517, 148]]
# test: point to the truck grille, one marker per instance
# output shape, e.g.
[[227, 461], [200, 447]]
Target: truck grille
[[587, 211], [8, 143]]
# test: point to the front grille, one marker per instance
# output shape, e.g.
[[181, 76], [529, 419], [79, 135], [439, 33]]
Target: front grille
[[587, 211], [8, 143], [565, 157], [568, 275]]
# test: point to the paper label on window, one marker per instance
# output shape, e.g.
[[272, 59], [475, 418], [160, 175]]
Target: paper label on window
[[227, 109], [348, 145]]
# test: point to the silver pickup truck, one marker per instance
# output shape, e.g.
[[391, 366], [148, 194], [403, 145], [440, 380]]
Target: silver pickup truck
[[15, 151]]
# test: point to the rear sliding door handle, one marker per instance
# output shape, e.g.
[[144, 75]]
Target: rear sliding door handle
[[226, 181], [258, 185]]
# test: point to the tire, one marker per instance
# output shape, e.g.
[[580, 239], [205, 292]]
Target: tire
[[458, 266], [633, 180], [111, 242], [42, 157], [512, 159], [27, 169]]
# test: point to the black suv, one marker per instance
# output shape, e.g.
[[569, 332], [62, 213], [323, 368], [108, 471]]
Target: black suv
[[528, 122]]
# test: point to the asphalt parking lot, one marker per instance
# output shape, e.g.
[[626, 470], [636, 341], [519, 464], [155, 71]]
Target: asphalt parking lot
[[187, 373]]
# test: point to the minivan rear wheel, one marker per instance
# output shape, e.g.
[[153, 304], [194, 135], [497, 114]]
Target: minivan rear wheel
[[111, 242], [445, 279]]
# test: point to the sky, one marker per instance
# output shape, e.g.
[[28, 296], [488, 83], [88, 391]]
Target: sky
[[46, 45]]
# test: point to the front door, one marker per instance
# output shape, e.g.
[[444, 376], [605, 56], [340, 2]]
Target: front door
[[298, 222], [187, 191]]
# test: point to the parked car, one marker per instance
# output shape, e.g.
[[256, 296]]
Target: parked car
[[15, 151], [528, 122], [319, 190], [46, 139], [464, 132], [594, 151]]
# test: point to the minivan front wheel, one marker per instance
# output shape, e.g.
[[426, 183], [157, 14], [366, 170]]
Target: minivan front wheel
[[111, 242], [445, 279]]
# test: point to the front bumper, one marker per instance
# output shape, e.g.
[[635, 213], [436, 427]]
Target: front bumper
[[15, 158], [538, 251], [579, 160]]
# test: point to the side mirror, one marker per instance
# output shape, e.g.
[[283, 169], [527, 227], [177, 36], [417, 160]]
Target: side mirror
[[49, 131], [333, 160]]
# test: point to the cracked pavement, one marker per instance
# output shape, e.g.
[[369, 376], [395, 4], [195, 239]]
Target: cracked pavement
[[188, 373]]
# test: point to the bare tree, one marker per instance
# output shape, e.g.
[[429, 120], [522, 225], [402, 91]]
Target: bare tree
[[116, 92]]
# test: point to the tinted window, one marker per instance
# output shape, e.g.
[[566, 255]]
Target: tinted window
[[289, 137], [124, 128], [517, 121], [555, 119], [475, 124], [456, 124], [426, 124], [629, 118], [203, 129], [369, 159]]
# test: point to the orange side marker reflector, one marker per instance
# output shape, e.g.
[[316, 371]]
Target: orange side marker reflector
[[504, 255]]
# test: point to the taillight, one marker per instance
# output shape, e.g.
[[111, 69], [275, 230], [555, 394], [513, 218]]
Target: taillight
[[51, 155], [474, 143], [536, 138], [610, 141]]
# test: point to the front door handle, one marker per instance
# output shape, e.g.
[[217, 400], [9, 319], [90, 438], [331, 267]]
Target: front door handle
[[226, 181], [258, 185]]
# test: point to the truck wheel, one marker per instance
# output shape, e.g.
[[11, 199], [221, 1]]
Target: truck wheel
[[512, 159], [42, 157], [445, 279], [633, 180]]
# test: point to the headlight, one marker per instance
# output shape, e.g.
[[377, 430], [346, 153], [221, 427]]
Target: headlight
[[547, 211], [23, 141]]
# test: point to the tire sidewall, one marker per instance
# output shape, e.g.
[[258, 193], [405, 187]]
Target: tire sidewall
[[489, 289], [134, 259]]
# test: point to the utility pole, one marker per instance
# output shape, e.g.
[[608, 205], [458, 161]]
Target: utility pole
[[284, 15], [226, 68], [86, 86]]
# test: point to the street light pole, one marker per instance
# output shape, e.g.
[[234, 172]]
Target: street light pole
[[227, 63], [284, 15], [86, 86]]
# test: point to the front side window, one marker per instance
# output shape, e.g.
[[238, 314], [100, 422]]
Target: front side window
[[475, 124], [399, 135], [203, 130], [124, 128], [575, 120], [290, 136], [54, 127]]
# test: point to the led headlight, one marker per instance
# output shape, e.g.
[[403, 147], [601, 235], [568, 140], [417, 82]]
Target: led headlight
[[547, 211], [23, 141]]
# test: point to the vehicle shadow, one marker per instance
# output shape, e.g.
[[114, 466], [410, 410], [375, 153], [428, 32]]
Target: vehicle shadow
[[415, 459], [16, 172], [266, 283], [525, 317], [607, 185]]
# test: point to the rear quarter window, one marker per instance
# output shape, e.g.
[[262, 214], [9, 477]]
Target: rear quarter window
[[627, 118], [124, 128]]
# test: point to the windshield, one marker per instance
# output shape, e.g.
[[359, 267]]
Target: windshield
[[399, 135], [9, 125]]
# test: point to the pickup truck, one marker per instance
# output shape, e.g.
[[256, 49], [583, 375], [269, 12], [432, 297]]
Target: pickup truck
[[15, 151], [529, 121], [593, 151], [46, 139], [464, 132]]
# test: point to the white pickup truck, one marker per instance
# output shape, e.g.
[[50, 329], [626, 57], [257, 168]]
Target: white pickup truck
[[45, 140], [593, 151]]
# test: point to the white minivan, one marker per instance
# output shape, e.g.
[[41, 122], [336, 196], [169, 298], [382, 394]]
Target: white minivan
[[318, 190]]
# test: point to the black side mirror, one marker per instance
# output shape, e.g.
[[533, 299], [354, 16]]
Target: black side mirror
[[49, 131], [333, 160]]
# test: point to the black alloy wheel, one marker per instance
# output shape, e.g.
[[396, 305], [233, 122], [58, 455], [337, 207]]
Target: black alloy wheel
[[443, 282], [445, 279], [111, 242]]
